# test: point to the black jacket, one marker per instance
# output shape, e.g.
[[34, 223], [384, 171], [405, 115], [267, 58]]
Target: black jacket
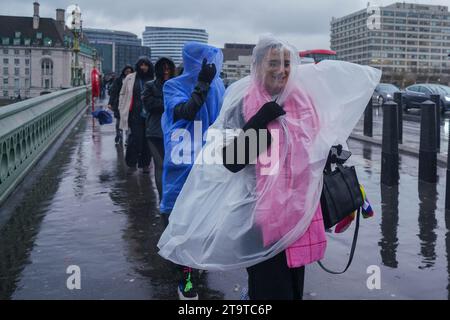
[[114, 92], [154, 100], [136, 113]]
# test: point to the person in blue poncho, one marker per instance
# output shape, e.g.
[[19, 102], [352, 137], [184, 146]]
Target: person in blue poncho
[[192, 103]]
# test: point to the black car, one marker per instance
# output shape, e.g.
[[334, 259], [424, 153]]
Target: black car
[[414, 95], [384, 92]]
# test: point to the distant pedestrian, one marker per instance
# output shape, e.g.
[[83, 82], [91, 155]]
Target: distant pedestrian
[[132, 114], [154, 107], [113, 104]]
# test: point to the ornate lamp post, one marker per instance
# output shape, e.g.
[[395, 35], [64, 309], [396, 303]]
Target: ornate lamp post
[[73, 22]]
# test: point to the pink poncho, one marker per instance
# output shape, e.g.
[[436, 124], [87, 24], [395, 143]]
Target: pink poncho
[[274, 214]]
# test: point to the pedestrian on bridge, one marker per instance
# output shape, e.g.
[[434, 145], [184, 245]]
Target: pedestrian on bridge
[[259, 207], [132, 114], [192, 103], [154, 106], [113, 104]]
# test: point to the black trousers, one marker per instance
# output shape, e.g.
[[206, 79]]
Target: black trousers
[[118, 130], [138, 152], [156, 146], [274, 280]]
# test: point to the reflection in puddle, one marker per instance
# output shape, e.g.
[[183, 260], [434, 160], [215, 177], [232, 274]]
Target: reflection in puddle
[[427, 223]]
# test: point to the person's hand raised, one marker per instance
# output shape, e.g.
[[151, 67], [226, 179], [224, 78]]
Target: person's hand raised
[[207, 72]]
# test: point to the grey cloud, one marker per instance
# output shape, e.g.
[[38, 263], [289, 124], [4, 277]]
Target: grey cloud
[[305, 24]]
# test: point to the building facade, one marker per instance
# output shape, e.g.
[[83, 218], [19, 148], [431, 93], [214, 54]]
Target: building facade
[[116, 48], [169, 42], [410, 44], [237, 60], [104, 35], [36, 55]]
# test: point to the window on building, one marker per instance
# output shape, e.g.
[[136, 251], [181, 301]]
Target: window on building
[[5, 41], [16, 84], [27, 41], [16, 71], [38, 35], [5, 51], [16, 62], [47, 67], [27, 83], [17, 34], [5, 81], [47, 73], [27, 62], [16, 51], [5, 60], [5, 71], [27, 71], [5, 93]]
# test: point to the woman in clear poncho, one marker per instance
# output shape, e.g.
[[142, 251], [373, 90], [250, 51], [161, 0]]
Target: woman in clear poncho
[[260, 207]]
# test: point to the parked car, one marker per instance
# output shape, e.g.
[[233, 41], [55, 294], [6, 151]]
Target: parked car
[[445, 100], [415, 94], [384, 92]]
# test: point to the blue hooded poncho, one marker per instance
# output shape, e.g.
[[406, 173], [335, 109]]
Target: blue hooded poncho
[[178, 90]]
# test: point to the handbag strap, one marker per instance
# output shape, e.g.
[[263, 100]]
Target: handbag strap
[[352, 251]]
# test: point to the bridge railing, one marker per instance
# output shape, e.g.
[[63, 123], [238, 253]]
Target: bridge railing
[[29, 127]]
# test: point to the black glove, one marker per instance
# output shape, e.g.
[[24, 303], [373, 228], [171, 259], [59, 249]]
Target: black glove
[[268, 112], [207, 73]]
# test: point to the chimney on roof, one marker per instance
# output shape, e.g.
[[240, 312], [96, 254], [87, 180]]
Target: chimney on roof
[[36, 15], [60, 16]]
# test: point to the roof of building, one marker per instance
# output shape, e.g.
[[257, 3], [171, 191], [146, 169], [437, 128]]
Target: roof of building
[[48, 27], [416, 6], [153, 28], [107, 31]]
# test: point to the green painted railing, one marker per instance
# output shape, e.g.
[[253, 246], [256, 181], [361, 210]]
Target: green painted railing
[[29, 127]]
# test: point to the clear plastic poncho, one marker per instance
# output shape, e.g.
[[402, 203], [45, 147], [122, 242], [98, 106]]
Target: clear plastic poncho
[[223, 220]]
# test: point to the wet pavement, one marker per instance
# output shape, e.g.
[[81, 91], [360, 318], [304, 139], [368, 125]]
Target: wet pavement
[[88, 209], [408, 239]]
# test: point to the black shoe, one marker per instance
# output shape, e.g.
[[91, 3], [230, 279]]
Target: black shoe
[[118, 140], [186, 290]]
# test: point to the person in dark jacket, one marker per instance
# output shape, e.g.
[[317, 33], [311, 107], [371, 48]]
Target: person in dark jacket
[[133, 115], [154, 107], [113, 103]]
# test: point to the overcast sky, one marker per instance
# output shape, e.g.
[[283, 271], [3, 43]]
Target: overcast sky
[[304, 24]]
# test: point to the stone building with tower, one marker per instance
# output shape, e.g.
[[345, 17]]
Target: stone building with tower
[[36, 55]]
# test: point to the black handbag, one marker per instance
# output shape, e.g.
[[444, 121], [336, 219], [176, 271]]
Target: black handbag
[[341, 195]]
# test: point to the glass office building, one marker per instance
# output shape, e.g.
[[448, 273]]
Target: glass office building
[[116, 48], [169, 42]]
